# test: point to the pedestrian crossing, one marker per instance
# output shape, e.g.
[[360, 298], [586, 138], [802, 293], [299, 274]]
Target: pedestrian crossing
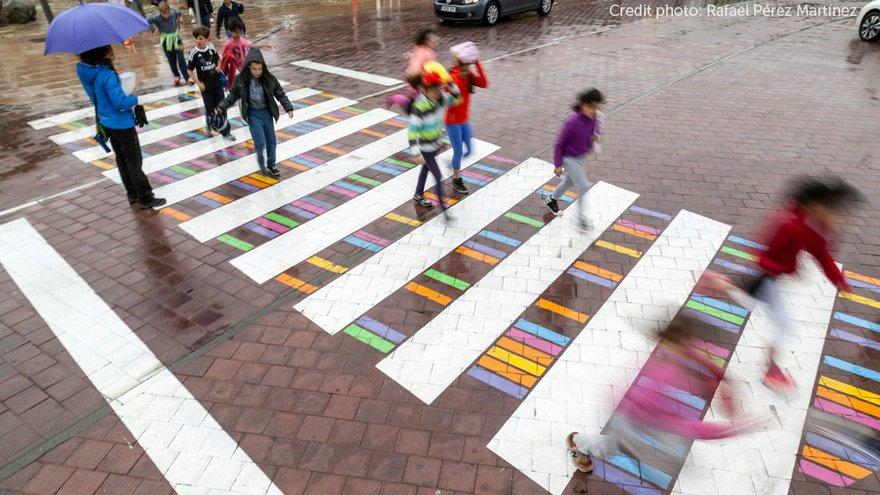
[[499, 298]]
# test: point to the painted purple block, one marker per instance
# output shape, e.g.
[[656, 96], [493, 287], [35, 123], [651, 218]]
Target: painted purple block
[[589, 277], [317, 210], [622, 479], [856, 339], [339, 190], [247, 187], [207, 201], [362, 234], [318, 202], [259, 229], [736, 267], [499, 382], [532, 341], [269, 224], [298, 211], [650, 213], [638, 226], [381, 329], [472, 174], [497, 253]]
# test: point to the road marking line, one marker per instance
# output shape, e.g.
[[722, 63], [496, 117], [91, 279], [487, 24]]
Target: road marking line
[[183, 440], [353, 74], [438, 353], [575, 394]]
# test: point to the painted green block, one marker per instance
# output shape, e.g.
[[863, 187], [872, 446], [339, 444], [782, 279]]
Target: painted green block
[[275, 217], [739, 254], [717, 313], [183, 170], [369, 338], [447, 279], [236, 243], [400, 162], [524, 219], [364, 180]]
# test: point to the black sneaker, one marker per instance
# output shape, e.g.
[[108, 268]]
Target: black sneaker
[[230, 138], [458, 186], [553, 205], [153, 203], [265, 171], [418, 198], [273, 171], [131, 200]]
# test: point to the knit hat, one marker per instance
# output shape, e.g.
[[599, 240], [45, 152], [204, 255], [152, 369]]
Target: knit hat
[[434, 74], [466, 52]]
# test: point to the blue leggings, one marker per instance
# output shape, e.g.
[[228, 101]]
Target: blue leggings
[[460, 135]]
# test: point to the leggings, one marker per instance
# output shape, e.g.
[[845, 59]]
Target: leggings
[[764, 290], [430, 166], [575, 175], [460, 135]]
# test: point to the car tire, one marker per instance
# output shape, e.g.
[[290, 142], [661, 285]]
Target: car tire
[[869, 29], [544, 7], [492, 14]]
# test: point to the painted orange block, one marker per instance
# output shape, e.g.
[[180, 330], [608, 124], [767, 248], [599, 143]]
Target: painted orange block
[[562, 310], [506, 371], [595, 270], [430, 195], [370, 132], [525, 351], [862, 278], [216, 197], [103, 164], [470, 253], [177, 215], [296, 283], [327, 265], [331, 149], [331, 118], [395, 123], [429, 293], [633, 232], [254, 182], [835, 463], [263, 178], [846, 400]]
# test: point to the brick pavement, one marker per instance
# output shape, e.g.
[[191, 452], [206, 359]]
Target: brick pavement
[[310, 408]]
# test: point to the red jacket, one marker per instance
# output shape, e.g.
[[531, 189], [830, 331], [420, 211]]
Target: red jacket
[[459, 113], [792, 234]]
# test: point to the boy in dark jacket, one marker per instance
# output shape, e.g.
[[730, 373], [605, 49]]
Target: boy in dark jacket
[[257, 90], [203, 67], [228, 10], [204, 11]]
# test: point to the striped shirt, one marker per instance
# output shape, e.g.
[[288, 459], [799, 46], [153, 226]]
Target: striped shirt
[[426, 120]]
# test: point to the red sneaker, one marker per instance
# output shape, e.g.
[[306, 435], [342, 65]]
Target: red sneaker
[[777, 379]]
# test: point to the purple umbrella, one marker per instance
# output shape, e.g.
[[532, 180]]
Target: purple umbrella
[[91, 25]]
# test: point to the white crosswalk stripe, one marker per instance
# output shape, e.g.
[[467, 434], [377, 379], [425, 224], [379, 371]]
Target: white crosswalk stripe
[[182, 127], [89, 112], [270, 259], [215, 177], [191, 151], [762, 463], [437, 354], [186, 444], [578, 392], [229, 216], [354, 293], [353, 74]]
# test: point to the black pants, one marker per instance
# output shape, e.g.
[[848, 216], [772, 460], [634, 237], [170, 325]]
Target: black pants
[[129, 162], [212, 98], [177, 62]]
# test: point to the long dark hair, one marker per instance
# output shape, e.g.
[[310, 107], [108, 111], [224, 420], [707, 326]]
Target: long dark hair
[[832, 192], [102, 55], [424, 34]]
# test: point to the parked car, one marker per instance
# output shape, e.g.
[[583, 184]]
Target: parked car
[[487, 11], [868, 21]]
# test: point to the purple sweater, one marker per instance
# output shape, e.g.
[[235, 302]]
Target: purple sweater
[[576, 137]]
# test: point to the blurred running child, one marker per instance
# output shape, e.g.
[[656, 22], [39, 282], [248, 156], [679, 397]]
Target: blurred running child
[[203, 67], [467, 73], [169, 22], [234, 51]]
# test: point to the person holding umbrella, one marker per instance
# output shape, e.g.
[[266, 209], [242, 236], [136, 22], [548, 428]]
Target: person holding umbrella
[[115, 108]]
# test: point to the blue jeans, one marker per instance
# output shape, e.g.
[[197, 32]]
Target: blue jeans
[[460, 135], [262, 127]]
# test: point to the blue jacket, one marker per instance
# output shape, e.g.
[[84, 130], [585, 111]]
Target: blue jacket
[[115, 108]]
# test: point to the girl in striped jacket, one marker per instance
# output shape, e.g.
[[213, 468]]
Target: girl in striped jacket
[[436, 93]]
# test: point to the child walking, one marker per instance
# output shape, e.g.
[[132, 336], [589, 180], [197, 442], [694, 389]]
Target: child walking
[[814, 212], [423, 51], [437, 92], [234, 51], [647, 407], [169, 22], [225, 13], [458, 127], [575, 141], [203, 67], [257, 90]]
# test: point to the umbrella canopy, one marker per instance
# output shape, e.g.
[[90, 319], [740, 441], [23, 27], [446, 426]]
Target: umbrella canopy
[[91, 25]]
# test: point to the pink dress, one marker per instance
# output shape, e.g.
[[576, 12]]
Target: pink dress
[[417, 57]]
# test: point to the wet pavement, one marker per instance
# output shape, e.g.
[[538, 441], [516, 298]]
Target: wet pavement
[[305, 317]]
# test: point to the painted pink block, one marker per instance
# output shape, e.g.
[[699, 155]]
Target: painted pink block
[[501, 159], [372, 238], [532, 341], [311, 158], [639, 227], [475, 175], [202, 164], [317, 210], [269, 224], [340, 190], [828, 476], [162, 177], [710, 348], [850, 414]]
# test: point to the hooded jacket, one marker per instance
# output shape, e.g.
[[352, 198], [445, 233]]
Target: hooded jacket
[[101, 83], [241, 88]]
